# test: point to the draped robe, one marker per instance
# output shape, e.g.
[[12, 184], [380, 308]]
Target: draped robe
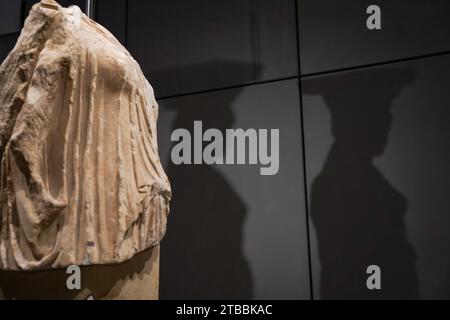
[[81, 180]]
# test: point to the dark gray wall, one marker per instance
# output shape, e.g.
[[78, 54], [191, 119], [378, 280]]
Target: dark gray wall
[[11, 15], [10, 25], [378, 168], [7, 42], [376, 147], [167, 37], [333, 33], [112, 14]]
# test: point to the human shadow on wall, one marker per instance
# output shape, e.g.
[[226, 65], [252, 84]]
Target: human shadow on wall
[[202, 255], [358, 214]]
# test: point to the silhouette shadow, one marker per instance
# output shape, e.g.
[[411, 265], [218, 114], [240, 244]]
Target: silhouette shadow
[[202, 255], [357, 212]]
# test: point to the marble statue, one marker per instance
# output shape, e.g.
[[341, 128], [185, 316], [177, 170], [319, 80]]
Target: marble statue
[[81, 180]]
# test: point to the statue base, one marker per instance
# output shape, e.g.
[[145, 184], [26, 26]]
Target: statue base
[[136, 279]]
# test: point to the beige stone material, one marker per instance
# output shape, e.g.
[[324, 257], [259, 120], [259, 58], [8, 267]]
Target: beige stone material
[[136, 279], [81, 181]]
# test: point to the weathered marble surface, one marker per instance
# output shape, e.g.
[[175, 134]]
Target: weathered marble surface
[[81, 181], [136, 279]]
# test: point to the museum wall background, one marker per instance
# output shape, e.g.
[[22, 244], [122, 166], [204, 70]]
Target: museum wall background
[[311, 69]]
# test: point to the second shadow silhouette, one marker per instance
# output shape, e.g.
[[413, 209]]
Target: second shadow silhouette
[[358, 214]]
